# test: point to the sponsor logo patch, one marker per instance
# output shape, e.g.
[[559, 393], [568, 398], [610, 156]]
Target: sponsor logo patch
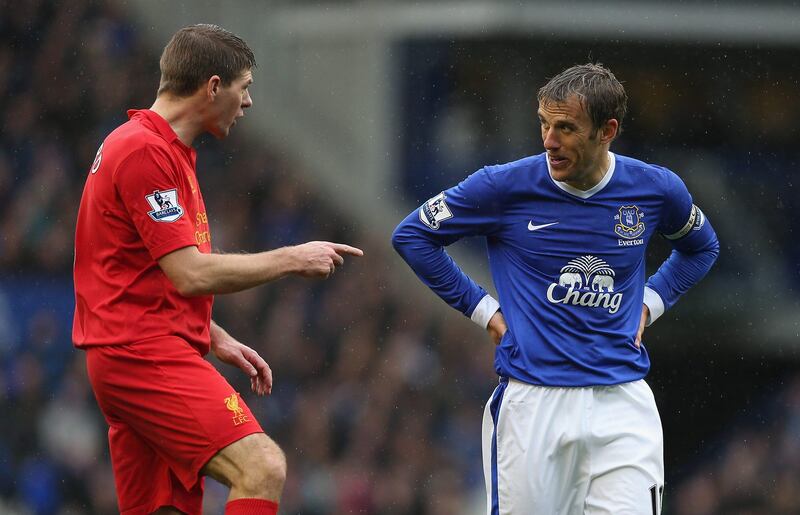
[[165, 205], [586, 281], [435, 211]]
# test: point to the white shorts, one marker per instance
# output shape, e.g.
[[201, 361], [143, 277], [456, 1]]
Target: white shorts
[[569, 451]]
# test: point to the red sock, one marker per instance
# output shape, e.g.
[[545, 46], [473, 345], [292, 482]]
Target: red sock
[[251, 507]]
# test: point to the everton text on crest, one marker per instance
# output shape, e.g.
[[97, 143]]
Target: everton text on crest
[[629, 226]]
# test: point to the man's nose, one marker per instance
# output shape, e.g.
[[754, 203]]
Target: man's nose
[[550, 140], [247, 101]]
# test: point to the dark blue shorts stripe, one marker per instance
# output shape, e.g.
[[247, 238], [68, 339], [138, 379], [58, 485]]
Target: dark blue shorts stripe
[[494, 409]]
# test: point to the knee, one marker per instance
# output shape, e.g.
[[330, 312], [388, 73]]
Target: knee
[[264, 470]]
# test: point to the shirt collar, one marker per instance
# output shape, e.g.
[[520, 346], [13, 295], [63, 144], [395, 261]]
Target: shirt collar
[[158, 124], [594, 189]]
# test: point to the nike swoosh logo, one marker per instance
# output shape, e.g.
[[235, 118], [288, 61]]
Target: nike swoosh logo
[[532, 227]]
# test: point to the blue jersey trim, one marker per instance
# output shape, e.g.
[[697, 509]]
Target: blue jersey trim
[[494, 409]]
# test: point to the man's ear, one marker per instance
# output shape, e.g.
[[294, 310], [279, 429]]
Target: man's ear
[[212, 87], [609, 130]]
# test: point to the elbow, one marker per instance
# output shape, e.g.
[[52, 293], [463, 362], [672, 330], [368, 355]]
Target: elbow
[[713, 250], [190, 284], [398, 239]]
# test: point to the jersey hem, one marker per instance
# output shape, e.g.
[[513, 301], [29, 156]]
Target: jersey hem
[[590, 385]]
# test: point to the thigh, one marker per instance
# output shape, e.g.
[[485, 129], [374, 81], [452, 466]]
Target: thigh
[[536, 461], [627, 453], [172, 399]]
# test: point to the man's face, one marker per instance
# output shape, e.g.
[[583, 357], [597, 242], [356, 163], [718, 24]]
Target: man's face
[[229, 104], [574, 148]]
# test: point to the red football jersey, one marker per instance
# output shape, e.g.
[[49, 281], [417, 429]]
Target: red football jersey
[[141, 201]]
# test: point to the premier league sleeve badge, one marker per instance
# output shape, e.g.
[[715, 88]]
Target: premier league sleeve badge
[[165, 205], [435, 211]]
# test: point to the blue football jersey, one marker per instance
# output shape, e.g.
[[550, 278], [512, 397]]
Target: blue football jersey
[[568, 265]]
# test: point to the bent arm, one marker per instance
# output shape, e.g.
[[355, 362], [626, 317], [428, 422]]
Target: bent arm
[[436, 269], [692, 257], [468, 209]]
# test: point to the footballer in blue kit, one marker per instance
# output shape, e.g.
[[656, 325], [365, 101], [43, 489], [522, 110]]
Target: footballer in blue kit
[[572, 427]]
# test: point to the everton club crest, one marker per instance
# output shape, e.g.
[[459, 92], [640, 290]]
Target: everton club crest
[[630, 224]]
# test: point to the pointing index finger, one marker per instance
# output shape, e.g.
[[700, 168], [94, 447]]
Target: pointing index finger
[[341, 248]]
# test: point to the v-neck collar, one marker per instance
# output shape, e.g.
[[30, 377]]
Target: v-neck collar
[[612, 160]]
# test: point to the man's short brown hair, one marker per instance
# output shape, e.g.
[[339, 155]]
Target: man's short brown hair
[[196, 53], [598, 90]]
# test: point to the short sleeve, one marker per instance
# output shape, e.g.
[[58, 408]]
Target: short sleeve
[[156, 199]]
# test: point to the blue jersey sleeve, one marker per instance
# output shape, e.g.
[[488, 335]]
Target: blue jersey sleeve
[[695, 245], [468, 209]]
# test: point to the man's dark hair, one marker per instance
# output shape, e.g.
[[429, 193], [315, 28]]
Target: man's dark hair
[[197, 52], [599, 92]]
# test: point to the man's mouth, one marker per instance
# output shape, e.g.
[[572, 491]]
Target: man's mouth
[[557, 161]]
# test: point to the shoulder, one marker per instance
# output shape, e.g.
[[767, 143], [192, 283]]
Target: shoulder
[[507, 174], [642, 173], [133, 144], [526, 164]]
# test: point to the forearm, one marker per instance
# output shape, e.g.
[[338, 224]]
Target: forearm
[[194, 273], [229, 273], [437, 270], [217, 333], [689, 262]]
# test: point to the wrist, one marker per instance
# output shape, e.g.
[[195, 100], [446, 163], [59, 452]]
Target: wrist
[[484, 311], [283, 261]]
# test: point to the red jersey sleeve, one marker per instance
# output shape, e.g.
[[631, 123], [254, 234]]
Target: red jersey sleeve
[[156, 197]]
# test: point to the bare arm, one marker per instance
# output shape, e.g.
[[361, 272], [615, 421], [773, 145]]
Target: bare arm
[[229, 350], [194, 273]]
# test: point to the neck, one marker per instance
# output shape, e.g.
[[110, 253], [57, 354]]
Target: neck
[[592, 178], [182, 114]]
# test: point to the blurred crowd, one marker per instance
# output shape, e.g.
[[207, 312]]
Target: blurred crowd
[[377, 401], [752, 470], [371, 419]]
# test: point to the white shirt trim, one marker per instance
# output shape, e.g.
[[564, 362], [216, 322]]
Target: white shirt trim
[[654, 303], [612, 160], [484, 311]]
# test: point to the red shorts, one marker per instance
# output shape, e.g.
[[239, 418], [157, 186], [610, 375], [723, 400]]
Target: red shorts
[[169, 412]]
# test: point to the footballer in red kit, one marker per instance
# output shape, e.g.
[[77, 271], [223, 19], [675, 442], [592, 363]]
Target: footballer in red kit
[[140, 202], [145, 275]]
